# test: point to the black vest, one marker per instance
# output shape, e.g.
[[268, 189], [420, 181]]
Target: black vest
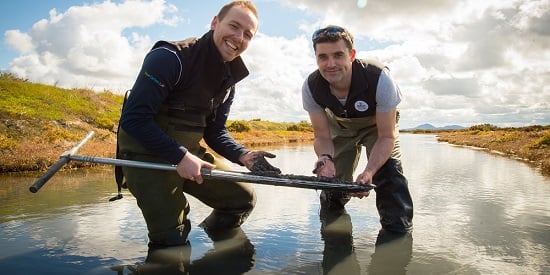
[[205, 79], [361, 100]]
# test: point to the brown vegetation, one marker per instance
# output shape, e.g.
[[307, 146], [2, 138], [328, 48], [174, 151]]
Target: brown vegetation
[[34, 145], [42, 143], [530, 144]]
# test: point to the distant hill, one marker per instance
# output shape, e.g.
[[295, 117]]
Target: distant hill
[[428, 126]]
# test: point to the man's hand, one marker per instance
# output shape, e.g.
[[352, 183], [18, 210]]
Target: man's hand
[[324, 167], [363, 178], [255, 161], [190, 167]]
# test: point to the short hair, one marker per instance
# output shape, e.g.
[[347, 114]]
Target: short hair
[[332, 33], [245, 4]]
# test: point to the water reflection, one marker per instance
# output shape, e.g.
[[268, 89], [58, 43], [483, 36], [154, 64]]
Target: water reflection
[[392, 254], [475, 213], [338, 253], [232, 253]]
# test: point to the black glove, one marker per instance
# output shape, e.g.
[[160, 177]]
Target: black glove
[[318, 166], [261, 165]]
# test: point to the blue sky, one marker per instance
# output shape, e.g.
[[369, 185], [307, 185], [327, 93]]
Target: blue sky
[[460, 62]]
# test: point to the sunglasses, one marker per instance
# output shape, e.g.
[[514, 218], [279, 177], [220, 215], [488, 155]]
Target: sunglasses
[[328, 31]]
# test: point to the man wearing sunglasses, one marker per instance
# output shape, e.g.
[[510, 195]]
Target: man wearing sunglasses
[[352, 104]]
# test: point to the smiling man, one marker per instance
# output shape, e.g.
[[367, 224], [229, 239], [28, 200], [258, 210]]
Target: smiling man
[[183, 94], [352, 105]]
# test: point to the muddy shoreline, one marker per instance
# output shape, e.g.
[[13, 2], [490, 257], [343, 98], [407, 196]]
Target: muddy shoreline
[[528, 146]]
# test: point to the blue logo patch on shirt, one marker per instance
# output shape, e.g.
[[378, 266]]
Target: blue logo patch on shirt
[[154, 79]]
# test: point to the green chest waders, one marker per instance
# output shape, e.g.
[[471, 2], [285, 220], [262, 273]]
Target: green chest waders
[[160, 194], [393, 198]]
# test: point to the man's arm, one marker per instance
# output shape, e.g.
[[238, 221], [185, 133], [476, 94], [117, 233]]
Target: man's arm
[[158, 75], [322, 144], [388, 96], [383, 146]]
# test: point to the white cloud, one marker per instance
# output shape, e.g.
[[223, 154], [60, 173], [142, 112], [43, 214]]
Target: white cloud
[[21, 42], [278, 68], [86, 46], [457, 62]]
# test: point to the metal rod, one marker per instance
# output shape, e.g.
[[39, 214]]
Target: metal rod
[[63, 159], [123, 162], [281, 180]]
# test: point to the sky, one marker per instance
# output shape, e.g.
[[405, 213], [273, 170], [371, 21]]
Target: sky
[[457, 62]]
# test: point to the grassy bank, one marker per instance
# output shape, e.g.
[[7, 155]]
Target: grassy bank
[[39, 122], [530, 144]]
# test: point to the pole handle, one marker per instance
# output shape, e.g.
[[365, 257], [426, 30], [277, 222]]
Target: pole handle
[[44, 178]]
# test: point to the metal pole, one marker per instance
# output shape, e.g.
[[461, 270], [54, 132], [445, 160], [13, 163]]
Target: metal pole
[[123, 162], [63, 159], [277, 180]]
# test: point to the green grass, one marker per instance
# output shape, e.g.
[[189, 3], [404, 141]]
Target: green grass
[[20, 99], [24, 100]]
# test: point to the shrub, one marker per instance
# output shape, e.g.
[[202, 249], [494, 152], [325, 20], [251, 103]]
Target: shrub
[[533, 128], [105, 123], [6, 142], [541, 142], [52, 133], [239, 126], [11, 77], [302, 126], [484, 127]]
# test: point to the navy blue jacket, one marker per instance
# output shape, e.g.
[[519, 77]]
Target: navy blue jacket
[[158, 77]]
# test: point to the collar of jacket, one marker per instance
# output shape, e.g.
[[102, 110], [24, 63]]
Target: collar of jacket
[[237, 68]]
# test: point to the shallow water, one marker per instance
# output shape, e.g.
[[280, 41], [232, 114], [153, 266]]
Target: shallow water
[[475, 213]]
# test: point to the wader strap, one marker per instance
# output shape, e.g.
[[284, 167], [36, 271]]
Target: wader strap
[[119, 176]]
